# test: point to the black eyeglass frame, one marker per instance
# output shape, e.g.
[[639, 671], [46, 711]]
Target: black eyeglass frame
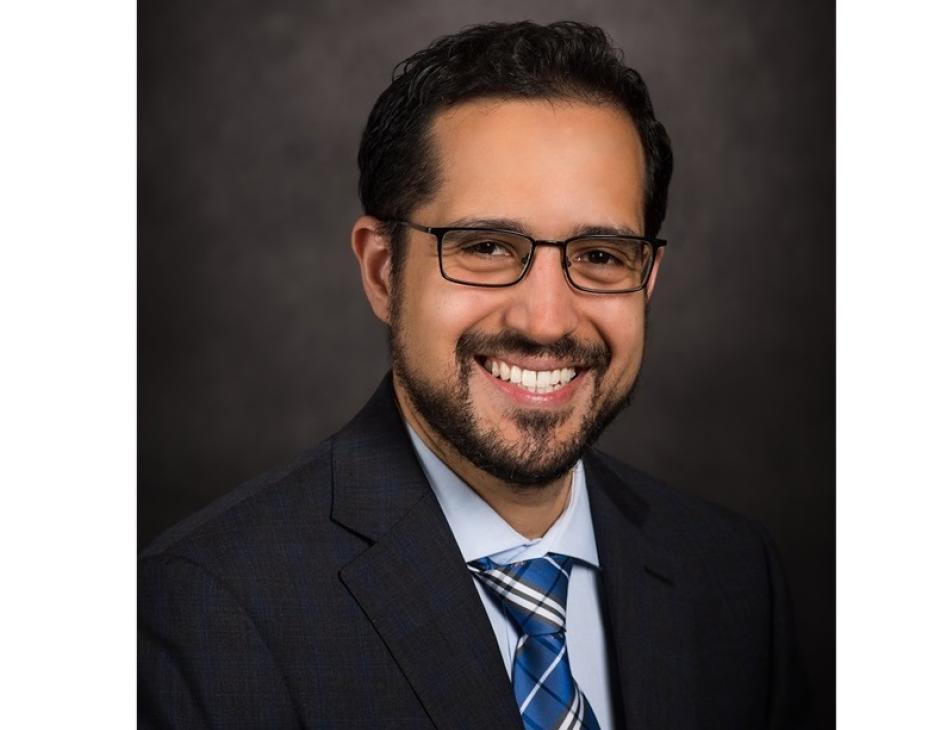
[[439, 233]]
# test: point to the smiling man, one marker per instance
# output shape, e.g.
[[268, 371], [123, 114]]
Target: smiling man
[[459, 556], [512, 353]]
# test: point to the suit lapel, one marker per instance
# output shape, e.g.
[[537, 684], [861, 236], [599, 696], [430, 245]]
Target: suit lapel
[[412, 582], [647, 616], [414, 587]]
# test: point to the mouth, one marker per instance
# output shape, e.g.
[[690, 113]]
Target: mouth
[[536, 381]]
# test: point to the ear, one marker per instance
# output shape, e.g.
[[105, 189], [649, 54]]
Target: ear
[[652, 278], [372, 249]]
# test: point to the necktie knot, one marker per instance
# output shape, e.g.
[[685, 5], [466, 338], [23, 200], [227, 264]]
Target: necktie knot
[[533, 593]]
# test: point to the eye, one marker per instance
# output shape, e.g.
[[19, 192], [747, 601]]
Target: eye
[[600, 257], [487, 247]]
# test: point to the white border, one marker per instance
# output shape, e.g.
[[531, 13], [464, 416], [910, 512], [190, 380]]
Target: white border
[[68, 363], [882, 366]]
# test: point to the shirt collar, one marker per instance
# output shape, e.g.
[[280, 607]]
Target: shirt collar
[[481, 532]]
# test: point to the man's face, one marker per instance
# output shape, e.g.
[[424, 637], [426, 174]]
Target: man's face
[[555, 170]]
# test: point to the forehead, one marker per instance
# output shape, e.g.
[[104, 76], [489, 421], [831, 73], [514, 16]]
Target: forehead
[[553, 163]]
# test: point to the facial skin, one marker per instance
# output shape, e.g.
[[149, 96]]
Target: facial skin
[[552, 170]]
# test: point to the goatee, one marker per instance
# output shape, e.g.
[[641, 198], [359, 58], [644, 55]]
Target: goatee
[[536, 459]]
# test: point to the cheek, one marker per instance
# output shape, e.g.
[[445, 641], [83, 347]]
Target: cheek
[[624, 333], [436, 314], [458, 309]]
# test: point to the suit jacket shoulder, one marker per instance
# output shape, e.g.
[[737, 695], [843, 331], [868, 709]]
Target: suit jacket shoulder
[[253, 513], [679, 521], [330, 593], [209, 655]]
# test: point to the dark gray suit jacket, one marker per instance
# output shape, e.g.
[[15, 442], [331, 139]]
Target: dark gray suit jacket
[[332, 594]]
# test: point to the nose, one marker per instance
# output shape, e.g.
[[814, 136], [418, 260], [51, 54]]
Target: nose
[[543, 304]]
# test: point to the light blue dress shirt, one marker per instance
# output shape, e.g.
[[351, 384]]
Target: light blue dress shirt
[[480, 532]]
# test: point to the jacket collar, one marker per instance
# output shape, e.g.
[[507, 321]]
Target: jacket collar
[[376, 477], [643, 586], [412, 582]]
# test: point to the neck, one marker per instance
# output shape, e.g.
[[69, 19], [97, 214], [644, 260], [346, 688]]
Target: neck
[[529, 511]]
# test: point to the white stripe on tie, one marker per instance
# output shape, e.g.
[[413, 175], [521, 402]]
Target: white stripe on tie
[[535, 608], [571, 715], [537, 596], [525, 588], [581, 711], [557, 565], [542, 678]]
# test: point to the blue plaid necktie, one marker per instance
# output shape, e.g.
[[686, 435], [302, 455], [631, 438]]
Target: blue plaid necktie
[[533, 594]]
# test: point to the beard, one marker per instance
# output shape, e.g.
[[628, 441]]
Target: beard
[[537, 458]]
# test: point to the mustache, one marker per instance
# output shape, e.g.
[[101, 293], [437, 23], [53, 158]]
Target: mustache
[[587, 355]]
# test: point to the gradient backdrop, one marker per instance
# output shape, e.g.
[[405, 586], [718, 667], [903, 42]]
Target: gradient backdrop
[[255, 339]]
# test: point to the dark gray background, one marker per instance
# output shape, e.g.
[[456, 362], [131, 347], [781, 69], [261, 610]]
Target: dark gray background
[[255, 340]]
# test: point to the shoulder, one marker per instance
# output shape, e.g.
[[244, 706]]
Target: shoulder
[[256, 515], [217, 591], [678, 521], [272, 527]]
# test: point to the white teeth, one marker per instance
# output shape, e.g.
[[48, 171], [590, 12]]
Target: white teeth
[[534, 381], [529, 378]]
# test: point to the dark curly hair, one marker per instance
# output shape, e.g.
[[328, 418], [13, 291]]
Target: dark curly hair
[[564, 60]]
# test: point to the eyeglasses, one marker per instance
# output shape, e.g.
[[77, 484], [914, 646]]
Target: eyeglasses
[[603, 264]]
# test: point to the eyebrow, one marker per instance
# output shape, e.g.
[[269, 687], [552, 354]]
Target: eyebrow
[[511, 224]]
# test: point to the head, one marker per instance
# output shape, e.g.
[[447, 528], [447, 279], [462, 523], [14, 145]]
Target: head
[[545, 129]]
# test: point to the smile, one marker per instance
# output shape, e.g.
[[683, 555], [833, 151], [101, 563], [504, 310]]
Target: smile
[[533, 381]]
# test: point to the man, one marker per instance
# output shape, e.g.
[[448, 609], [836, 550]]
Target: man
[[413, 570]]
